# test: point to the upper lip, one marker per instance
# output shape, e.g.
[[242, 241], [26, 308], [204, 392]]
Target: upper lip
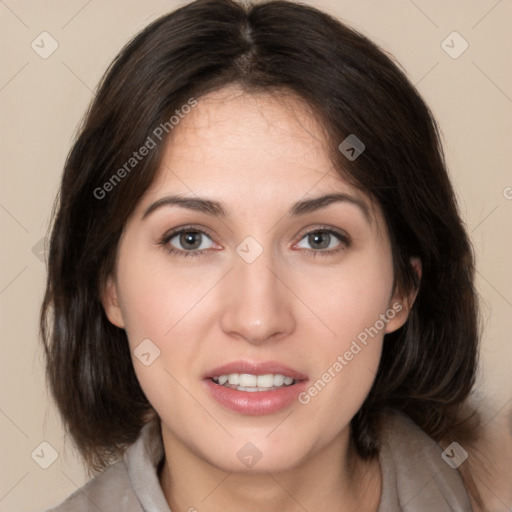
[[255, 368]]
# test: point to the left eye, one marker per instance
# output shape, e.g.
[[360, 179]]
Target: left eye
[[320, 239]]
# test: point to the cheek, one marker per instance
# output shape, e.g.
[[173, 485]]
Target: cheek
[[164, 312], [351, 304], [156, 297], [156, 308], [348, 299]]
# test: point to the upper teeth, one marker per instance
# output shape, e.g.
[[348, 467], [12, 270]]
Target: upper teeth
[[247, 380]]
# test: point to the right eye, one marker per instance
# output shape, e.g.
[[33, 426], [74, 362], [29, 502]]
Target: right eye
[[187, 242]]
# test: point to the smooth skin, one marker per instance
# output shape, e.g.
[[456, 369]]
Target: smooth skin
[[301, 302]]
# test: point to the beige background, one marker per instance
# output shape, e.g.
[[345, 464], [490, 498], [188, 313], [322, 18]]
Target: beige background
[[42, 101]]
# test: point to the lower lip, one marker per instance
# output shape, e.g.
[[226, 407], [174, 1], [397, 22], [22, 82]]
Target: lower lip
[[255, 403]]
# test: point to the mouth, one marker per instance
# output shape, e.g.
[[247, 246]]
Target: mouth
[[253, 388], [250, 383]]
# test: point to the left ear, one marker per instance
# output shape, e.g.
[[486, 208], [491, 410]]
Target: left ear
[[401, 304]]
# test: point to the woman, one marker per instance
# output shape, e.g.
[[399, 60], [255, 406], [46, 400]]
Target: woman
[[261, 288]]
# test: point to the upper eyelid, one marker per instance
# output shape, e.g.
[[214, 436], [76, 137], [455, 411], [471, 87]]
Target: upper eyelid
[[321, 227], [180, 229]]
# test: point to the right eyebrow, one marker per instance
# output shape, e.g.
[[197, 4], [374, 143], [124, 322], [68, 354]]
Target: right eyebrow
[[207, 206]]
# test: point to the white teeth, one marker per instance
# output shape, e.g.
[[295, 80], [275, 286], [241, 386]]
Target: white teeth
[[234, 379], [265, 381], [278, 379], [249, 382]]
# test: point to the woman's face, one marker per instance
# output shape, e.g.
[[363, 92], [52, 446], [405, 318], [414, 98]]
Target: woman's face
[[257, 280]]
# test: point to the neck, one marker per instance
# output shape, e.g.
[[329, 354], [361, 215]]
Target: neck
[[335, 478]]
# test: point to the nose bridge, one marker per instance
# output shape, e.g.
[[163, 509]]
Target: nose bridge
[[258, 307]]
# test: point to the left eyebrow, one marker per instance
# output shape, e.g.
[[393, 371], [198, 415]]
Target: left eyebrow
[[318, 203], [217, 209]]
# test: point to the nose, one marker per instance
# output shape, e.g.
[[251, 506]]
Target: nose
[[258, 305]]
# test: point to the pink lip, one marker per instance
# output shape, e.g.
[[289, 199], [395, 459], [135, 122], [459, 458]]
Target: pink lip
[[258, 402], [255, 368], [255, 403]]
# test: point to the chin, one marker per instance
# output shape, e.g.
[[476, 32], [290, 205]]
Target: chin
[[257, 455]]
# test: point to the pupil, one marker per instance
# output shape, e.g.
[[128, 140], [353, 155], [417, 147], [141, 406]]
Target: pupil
[[190, 240]]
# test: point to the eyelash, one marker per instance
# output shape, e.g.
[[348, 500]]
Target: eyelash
[[164, 241]]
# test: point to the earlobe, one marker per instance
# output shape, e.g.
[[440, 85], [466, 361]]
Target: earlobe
[[400, 305], [110, 302]]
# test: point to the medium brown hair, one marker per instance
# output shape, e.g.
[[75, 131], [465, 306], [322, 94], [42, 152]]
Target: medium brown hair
[[428, 366]]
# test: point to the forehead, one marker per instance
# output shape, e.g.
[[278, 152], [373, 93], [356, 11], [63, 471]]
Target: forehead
[[246, 149]]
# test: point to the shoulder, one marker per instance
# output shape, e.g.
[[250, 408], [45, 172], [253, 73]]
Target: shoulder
[[415, 477], [110, 491]]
